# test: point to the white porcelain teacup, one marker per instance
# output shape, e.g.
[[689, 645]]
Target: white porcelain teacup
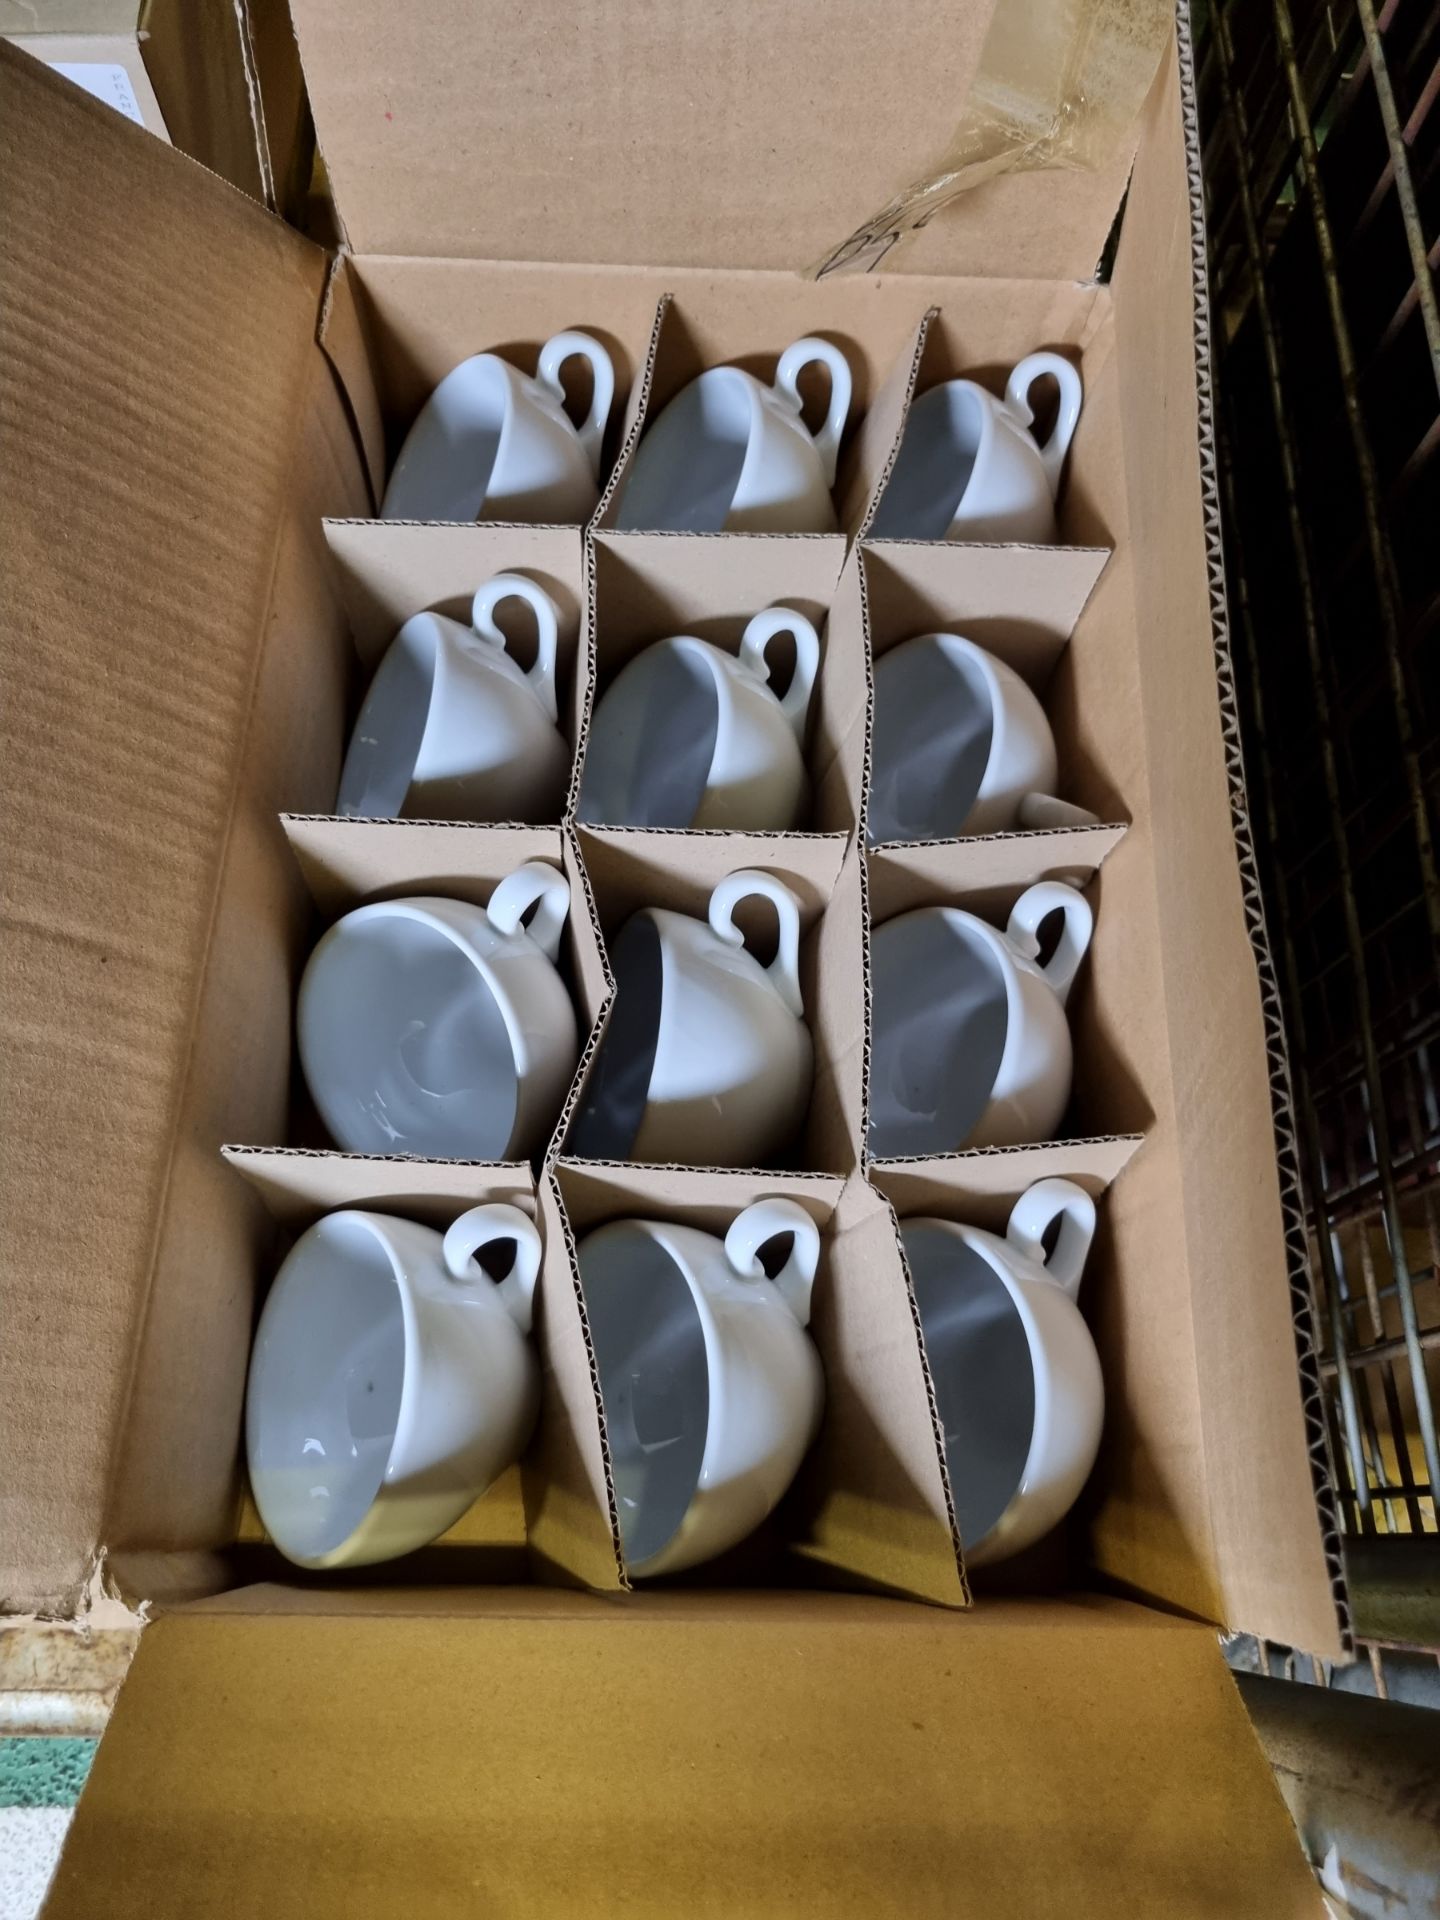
[[731, 455], [969, 468], [391, 1382], [969, 1044], [453, 729], [707, 1058], [688, 735], [961, 745], [491, 443], [1018, 1386], [431, 1026], [712, 1388]]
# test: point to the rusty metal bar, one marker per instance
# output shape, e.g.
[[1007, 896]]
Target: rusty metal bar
[[1404, 181], [1374, 1015], [1383, 566]]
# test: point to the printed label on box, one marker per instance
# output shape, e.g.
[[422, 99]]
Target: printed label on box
[[113, 85]]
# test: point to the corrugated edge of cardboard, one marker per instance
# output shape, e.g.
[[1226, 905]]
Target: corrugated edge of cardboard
[[1292, 1200]]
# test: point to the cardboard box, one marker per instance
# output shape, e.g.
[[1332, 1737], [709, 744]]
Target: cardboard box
[[203, 404], [220, 78]]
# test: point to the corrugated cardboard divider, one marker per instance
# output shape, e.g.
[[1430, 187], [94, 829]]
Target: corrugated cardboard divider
[[633, 868], [869, 1506], [388, 570], [979, 1187], [348, 862], [650, 587], [490, 1543], [393, 337]]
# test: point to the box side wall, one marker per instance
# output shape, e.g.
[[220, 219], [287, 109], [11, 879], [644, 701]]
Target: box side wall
[[1264, 1460], [148, 674], [174, 1471]]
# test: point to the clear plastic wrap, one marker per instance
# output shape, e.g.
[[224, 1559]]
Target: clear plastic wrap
[[1059, 84]]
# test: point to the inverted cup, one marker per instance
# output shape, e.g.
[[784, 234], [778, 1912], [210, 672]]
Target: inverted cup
[[492, 443], [731, 455], [970, 1045], [452, 728], [431, 1026], [961, 746], [1018, 1386], [391, 1382], [690, 736], [969, 467], [712, 1389], [707, 1058]]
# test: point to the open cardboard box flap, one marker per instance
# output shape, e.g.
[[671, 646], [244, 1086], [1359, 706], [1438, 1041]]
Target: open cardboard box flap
[[159, 344], [686, 135], [859, 1757]]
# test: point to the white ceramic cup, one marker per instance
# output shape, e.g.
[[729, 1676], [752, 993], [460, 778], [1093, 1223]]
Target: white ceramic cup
[[969, 467], [434, 1027], [491, 443], [707, 1059], [391, 1382], [969, 1043], [1017, 1379], [453, 729], [961, 745], [712, 1388], [731, 455], [688, 735]]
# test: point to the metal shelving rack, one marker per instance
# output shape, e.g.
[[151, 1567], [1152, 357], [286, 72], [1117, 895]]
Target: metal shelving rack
[[1320, 129]]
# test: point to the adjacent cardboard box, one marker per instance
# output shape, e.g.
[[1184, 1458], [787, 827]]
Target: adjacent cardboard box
[[195, 389], [221, 78]]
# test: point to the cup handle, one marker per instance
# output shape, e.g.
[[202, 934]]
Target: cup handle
[[758, 635], [553, 356], [1036, 1211], [519, 891], [476, 1229], [747, 883], [1025, 917], [1017, 398], [1041, 811], [763, 1221], [514, 586], [787, 381]]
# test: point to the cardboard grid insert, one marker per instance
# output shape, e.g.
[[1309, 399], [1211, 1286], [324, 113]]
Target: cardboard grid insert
[[615, 593]]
